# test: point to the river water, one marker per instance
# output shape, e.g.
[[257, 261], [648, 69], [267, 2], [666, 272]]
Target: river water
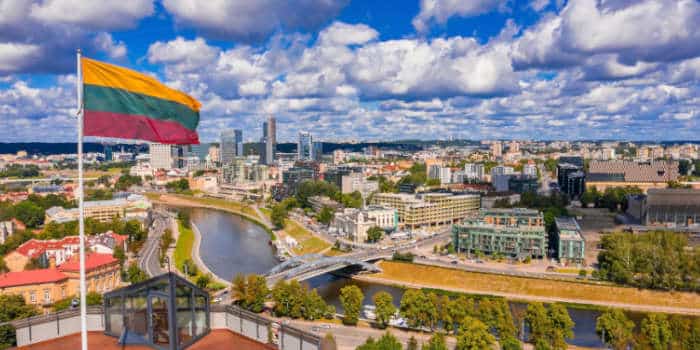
[[232, 245]]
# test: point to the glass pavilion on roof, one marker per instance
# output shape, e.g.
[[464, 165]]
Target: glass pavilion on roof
[[165, 312]]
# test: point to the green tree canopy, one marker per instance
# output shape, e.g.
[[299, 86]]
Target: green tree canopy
[[474, 335], [384, 307], [615, 328], [351, 298]]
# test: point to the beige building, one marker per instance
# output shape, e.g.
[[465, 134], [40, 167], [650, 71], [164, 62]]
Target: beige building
[[134, 206], [429, 209], [46, 286], [354, 223]]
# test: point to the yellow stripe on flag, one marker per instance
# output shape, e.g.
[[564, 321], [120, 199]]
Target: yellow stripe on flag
[[108, 75]]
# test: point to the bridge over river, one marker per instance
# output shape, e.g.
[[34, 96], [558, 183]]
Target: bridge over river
[[308, 266]]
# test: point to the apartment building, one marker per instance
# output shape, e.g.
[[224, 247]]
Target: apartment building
[[514, 232], [429, 209], [46, 286], [134, 206], [570, 244]]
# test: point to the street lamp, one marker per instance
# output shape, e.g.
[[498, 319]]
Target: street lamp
[[167, 260]]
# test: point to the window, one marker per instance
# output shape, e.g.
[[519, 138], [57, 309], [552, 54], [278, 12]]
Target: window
[[32, 297], [63, 292], [47, 296]]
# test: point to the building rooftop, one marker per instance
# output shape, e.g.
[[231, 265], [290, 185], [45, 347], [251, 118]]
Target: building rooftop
[[216, 340], [673, 197], [21, 278], [92, 261]]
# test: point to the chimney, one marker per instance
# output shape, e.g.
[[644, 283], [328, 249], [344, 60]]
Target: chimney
[[52, 262]]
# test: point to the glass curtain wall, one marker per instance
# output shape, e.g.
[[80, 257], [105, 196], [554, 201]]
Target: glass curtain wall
[[165, 312]]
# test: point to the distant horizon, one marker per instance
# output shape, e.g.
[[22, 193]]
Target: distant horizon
[[391, 70]]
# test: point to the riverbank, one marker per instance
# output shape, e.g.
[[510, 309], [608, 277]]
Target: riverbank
[[240, 209], [198, 259], [532, 289]]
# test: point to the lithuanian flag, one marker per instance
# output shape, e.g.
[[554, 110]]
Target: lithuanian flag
[[121, 103]]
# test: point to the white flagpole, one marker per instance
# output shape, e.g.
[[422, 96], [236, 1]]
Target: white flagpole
[[81, 222]]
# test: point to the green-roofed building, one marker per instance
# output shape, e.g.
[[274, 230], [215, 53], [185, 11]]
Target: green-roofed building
[[514, 232]]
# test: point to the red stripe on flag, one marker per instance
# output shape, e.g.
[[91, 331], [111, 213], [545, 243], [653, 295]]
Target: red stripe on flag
[[137, 127]]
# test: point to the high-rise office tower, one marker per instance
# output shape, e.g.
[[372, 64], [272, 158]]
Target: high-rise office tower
[[269, 139], [239, 142], [162, 156], [228, 148], [305, 146]]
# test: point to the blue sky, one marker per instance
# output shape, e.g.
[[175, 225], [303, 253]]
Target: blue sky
[[371, 70]]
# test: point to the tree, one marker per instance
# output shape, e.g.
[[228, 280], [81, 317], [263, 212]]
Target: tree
[[418, 309], [351, 298], [250, 291], [496, 314], [384, 307], [510, 343], [135, 274], [436, 342], [538, 320], [459, 308], [474, 335], [374, 234], [386, 342], [203, 280], [615, 329], [29, 213], [12, 307], [325, 216], [181, 185], [562, 326], [656, 331]]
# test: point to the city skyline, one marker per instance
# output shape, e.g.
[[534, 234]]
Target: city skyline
[[485, 69]]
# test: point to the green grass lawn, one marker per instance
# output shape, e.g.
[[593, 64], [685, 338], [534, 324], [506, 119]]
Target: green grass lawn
[[308, 243], [183, 247]]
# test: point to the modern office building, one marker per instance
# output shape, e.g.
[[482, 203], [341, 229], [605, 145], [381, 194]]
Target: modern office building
[[305, 147], [474, 171], [514, 232], [429, 209], [354, 223], [162, 156], [569, 243], [570, 176], [442, 173], [334, 175], [230, 140], [269, 138], [522, 184], [243, 170], [357, 182], [294, 176], [317, 151], [109, 155]]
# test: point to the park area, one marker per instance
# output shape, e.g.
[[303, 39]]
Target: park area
[[533, 289]]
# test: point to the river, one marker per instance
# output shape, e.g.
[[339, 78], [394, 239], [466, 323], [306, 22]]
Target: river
[[232, 245]]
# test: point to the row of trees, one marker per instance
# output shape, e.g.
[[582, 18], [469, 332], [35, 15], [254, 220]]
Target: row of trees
[[659, 259], [20, 170], [613, 198], [657, 331], [31, 211], [291, 299]]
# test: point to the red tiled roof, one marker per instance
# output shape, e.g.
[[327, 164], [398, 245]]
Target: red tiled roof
[[34, 247], [92, 261], [21, 278]]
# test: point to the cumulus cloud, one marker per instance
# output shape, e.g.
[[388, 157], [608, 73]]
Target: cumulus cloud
[[340, 33], [633, 31], [183, 55], [103, 14], [105, 43], [252, 20], [439, 11]]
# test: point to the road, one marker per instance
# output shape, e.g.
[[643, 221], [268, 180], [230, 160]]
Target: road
[[149, 257]]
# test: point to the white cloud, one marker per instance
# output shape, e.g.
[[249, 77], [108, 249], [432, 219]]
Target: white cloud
[[340, 33], [105, 43], [183, 55], [103, 14], [439, 11], [252, 20], [15, 56]]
